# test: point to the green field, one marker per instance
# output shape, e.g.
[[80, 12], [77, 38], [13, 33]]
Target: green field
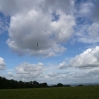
[[85, 92]]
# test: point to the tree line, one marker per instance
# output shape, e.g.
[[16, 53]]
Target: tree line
[[13, 84]]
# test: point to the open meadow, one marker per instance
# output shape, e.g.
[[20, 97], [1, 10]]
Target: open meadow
[[84, 92]]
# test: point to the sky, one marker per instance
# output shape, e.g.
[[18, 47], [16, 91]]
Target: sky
[[67, 33]]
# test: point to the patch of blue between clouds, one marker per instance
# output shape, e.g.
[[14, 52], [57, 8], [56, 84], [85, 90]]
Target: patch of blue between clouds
[[84, 1], [79, 2], [82, 21], [55, 16], [4, 22], [4, 25]]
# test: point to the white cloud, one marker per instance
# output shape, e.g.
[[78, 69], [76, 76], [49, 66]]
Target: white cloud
[[63, 28], [31, 22], [2, 64], [89, 33], [27, 71], [39, 72], [30, 72], [50, 74], [87, 59], [35, 25], [62, 65], [86, 62]]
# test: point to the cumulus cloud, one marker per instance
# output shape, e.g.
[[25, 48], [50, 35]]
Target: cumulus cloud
[[63, 28], [34, 25], [2, 64], [50, 74], [87, 59], [50, 23], [27, 71], [39, 72], [32, 22], [62, 65]]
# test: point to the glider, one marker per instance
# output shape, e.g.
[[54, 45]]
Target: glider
[[37, 44]]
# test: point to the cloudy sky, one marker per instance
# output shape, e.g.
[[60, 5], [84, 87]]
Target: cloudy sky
[[67, 33]]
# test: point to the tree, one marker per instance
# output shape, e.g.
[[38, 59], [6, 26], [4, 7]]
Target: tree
[[35, 84], [43, 85], [59, 85]]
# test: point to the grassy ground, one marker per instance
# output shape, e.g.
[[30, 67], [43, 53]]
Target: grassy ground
[[52, 93]]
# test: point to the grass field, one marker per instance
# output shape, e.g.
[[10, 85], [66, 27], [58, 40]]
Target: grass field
[[85, 92]]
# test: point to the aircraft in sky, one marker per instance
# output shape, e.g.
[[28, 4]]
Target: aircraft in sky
[[37, 44]]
